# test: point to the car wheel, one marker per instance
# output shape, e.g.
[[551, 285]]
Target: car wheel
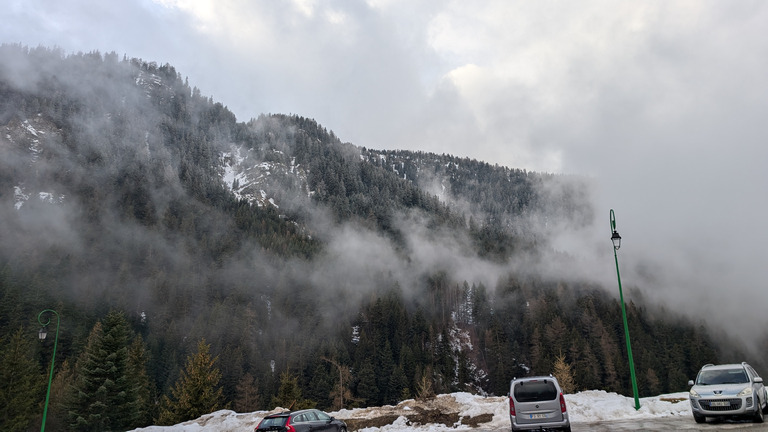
[[759, 416], [567, 429], [699, 418], [342, 429], [765, 406]]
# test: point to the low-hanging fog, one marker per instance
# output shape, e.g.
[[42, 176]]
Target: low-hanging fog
[[662, 106]]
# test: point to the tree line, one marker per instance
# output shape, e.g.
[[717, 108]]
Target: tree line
[[113, 379]]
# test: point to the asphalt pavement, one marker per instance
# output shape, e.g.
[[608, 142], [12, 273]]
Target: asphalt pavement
[[660, 424]]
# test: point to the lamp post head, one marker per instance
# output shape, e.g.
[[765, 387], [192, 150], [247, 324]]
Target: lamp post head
[[42, 334], [616, 239]]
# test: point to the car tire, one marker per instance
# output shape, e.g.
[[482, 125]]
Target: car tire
[[765, 406], [699, 418], [759, 416], [567, 429]]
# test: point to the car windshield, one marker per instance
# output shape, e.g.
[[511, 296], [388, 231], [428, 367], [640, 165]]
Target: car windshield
[[535, 391], [722, 376]]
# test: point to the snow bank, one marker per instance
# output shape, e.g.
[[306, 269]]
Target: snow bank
[[598, 405], [583, 407]]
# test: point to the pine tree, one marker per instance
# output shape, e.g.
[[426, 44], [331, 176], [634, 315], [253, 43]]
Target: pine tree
[[289, 394], [608, 356], [145, 396], [60, 388], [424, 386], [653, 382], [197, 390], [319, 386], [536, 351], [366, 384], [104, 396], [340, 394], [385, 366], [20, 382], [562, 371], [247, 394]]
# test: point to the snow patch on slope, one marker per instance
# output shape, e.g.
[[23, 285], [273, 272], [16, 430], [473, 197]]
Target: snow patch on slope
[[260, 182]]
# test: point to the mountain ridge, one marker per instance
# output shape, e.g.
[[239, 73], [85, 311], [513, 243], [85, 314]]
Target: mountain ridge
[[283, 245]]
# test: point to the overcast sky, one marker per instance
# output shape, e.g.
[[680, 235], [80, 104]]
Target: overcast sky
[[662, 104]]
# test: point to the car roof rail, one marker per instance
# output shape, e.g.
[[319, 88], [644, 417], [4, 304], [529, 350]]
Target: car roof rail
[[707, 365]]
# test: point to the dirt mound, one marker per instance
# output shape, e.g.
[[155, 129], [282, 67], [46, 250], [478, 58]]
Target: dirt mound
[[442, 409]]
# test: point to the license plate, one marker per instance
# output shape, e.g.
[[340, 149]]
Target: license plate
[[720, 403], [538, 416]]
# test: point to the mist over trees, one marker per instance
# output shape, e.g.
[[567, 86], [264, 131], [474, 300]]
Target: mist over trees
[[370, 277]]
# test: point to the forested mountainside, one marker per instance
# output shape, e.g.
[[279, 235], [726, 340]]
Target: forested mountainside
[[274, 264]]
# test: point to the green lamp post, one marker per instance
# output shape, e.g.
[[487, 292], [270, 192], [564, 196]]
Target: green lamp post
[[616, 239], [42, 334]]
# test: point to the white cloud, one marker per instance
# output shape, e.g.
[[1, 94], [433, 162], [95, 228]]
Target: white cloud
[[662, 103]]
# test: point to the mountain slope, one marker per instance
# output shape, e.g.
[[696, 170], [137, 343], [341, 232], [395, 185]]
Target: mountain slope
[[122, 187]]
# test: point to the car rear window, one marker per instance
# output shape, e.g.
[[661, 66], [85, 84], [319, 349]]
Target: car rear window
[[272, 422], [535, 391]]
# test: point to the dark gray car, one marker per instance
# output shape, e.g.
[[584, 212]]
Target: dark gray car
[[537, 403], [301, 421], [729, 390]]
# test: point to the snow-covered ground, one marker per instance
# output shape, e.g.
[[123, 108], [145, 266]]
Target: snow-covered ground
[[583, 407]]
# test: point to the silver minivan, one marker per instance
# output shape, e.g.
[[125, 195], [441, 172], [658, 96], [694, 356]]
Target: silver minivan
[[537, 403]]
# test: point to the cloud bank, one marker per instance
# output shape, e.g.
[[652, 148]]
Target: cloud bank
[[661, 105]]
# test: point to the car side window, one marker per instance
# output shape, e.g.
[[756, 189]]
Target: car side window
[[301, 418], [311, 416], [322, 416]]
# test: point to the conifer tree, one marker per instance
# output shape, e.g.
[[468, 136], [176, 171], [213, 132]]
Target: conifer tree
[[197, 390], [289, 394], [60, 388], [20, 382], [424, 386], [562, 371], [145, 394], [247, 394], [340, 394], [366, 384], [652, 382], [104, 396], [320, 386]]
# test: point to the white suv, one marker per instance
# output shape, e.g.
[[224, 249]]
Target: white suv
[[537, 403], [729, 390]]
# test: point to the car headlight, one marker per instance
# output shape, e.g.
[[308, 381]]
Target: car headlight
[[746, 392], [694, 394]]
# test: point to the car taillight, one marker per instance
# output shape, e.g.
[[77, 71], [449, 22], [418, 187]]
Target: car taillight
[[511, 406], [562, 403], [288, 427]]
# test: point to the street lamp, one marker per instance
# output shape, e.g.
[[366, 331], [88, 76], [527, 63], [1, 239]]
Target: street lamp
[[616, 239], [42, 334]]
